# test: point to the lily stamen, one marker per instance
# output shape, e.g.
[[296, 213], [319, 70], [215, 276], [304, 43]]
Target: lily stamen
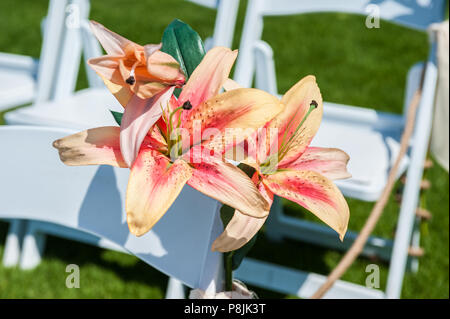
[[187, 105], [131, 79]]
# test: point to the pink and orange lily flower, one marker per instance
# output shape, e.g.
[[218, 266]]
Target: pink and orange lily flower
[[301, 173], [142, 78], [159, 173]]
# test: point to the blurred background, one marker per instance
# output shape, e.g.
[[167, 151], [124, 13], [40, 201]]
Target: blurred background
[[341, 55]]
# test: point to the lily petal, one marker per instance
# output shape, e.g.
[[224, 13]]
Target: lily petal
[[225, 183], [209, 76], [241, 228], [95, 146], [139, 116], [153, 186], [297, 103], [235, 114], [231, 85], [145, 85], [147, 90], [329, 162], [314, 192], [113, 43], [239, 231], [162, 65], [107, 68]]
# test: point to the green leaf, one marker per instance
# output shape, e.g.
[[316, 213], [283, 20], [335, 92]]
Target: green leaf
[[240, 253], [117, 116], [226, 213], [247, 169], [184, 44]]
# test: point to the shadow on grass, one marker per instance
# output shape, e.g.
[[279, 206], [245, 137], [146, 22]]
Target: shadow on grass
[[126, 267], [133, 269]]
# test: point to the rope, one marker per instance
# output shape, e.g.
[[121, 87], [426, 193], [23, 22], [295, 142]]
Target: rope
[[377, 211]]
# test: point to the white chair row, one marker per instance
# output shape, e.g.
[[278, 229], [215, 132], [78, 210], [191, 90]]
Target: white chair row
[[371, 138]]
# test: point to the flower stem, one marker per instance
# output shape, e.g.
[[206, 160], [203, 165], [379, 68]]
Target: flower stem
[[228, 259]]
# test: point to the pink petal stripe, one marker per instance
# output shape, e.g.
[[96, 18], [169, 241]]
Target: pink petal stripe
[[209, 76], [225, 182], [153, 186], [314, 192], [329, 162]]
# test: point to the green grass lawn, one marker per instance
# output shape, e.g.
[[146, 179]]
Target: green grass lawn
[[353, 65]]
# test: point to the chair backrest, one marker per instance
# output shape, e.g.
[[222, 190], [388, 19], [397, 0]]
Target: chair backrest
[[78, 38], [35, 185], [53, 35], [77, 13], [66, 35], [418, 14], [225, 20]]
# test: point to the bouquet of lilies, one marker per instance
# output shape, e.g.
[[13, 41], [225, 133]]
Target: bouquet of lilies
[[178, 128]]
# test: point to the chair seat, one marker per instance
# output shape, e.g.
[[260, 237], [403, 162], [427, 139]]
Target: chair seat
[[85, 109], [366, 135], [18, 87]]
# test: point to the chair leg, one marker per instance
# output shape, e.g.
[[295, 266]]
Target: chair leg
[[33, 247], [399, 257], [11, 255], [175, 289]]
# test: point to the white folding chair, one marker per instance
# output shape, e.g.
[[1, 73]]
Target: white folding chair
[[370, 138], [58, 69], [90, 201], [26, 79], [18, 73], [29, 80], [225, 21], [63, 107], [80, 110]]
